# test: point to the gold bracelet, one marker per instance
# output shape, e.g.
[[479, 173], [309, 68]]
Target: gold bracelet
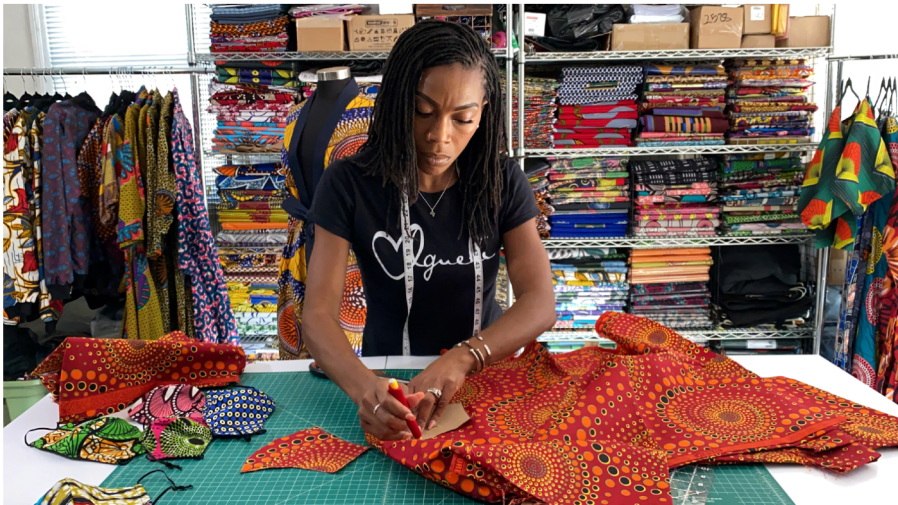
[[488, 354], [476, 361]]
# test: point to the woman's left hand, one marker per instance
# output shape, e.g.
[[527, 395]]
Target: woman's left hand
[[446, 374]]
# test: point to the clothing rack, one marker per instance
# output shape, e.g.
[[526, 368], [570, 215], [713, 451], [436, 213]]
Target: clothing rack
[[60, 71]]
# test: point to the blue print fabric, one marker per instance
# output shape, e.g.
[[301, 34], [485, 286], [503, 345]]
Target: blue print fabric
[[237, 412]]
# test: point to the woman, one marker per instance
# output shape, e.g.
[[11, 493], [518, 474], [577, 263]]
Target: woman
[[431, 172]]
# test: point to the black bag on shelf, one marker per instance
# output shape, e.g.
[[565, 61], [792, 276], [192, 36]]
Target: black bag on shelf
[[577, 22]]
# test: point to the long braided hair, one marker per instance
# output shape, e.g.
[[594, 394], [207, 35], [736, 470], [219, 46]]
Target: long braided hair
[[390, 141]]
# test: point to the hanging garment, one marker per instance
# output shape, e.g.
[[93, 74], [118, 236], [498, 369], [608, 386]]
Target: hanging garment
[[197, 254], [344, 133], [70, 369], [312, 449], [176, 437], [167, 401], [143, 316], [64, 233], [21, 286], [865, 172], [887, 336], [829, 217], [49, 308], [105, 440], [564, 415]]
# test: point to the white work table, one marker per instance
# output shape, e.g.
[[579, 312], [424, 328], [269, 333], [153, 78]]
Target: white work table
[[28, 472]]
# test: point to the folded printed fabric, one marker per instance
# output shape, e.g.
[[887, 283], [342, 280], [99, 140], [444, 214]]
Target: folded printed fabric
[[679, 223], [715, 112], [588, 162], [684, 70], [255, 29], [587, 143], [570, 184], [654, 143], [573, 122], [683, 124], [587, 173], [109, 388], [655, 87]]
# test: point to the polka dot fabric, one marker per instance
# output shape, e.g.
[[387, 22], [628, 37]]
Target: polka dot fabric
[[312, 449], [89, 377], [237, 412], [603, 427]]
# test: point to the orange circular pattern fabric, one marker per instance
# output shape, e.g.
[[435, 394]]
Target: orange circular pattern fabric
[[601, 426], [312, 449], [353, 309]]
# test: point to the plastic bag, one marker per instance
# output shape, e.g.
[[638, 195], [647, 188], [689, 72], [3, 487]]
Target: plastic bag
[[573, 22]]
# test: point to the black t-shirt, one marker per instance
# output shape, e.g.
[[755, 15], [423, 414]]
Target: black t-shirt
[[355, 207]]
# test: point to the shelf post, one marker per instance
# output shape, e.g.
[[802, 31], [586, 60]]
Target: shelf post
[[519, 152], [509, 76]]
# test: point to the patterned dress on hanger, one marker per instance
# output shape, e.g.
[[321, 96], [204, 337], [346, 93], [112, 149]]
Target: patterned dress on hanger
[[349, 135]]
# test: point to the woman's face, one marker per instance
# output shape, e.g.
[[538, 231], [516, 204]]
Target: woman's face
[[448, 106]]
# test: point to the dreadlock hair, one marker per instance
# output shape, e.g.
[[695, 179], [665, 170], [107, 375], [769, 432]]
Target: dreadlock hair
[[392, 146]]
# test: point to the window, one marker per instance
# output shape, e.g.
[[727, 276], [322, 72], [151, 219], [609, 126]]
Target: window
[[117, 35]]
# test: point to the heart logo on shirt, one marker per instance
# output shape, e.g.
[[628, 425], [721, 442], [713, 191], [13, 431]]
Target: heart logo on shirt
[[397, 243]]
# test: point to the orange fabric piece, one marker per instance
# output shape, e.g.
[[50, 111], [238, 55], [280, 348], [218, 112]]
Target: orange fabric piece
[[312, 449], [669, 257], [653, 279], [91, 377], [605, 425]]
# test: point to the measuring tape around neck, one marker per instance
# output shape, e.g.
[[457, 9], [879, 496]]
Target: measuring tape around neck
[[408, 260]]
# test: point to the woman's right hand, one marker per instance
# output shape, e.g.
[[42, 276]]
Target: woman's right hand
[[389, 422]]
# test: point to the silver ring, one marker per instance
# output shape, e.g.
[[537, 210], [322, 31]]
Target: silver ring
[[375, 409], [436, 392]]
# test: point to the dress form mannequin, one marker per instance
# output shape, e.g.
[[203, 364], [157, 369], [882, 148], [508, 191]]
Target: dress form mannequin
[[331, 82]]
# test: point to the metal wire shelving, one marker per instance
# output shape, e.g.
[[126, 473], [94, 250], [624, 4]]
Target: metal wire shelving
[[678, 54]]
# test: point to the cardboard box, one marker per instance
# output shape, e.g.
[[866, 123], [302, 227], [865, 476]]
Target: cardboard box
[[758, 41], [758, 19], [835, 272], [716, 27], [649, 36], [807, 31], [535, 24], [320, 33], [377, 33]]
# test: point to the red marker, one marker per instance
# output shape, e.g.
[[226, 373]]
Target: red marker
[[396, 392]]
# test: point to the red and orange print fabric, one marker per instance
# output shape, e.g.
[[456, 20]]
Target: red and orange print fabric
[[312, 449], [605, 426], [90, 377]]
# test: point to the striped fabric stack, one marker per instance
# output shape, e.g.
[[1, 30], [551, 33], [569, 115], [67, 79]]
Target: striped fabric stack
[[768, 102], [590, 197], [759, 194], [598, 106], [251, 118], [670, 286], [675, 198], [252, 288], [539, 111], [588, 283], [248, 29], [250, 213], [683, 106]]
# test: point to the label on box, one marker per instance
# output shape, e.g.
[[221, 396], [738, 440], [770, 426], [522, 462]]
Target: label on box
[[535, 24], [757, 13], [760, 344]]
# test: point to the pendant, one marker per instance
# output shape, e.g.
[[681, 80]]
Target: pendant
[[432, 213]]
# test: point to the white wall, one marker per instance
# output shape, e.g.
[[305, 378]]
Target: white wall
[[17, 47]]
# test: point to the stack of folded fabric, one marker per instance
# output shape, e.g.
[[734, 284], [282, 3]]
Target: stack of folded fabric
[[760, 285], [248, 28], [250, 212], [759, 193], [590, 197], [537, 171], [768, 102], [675, 198], [251, 118], [683, 106], [588, 283], [598, 106], [252, 288], [670, 286], [539, 111]]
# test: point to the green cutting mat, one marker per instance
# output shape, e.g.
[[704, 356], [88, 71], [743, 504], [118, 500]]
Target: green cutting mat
[[304, 401]]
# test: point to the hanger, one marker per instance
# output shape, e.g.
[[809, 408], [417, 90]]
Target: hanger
[[10, 101], [846, 88], [27, 98]]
